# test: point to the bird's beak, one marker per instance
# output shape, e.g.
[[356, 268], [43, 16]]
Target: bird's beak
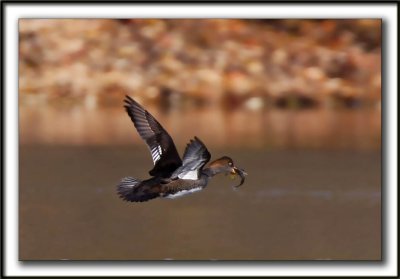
[[241, 173]]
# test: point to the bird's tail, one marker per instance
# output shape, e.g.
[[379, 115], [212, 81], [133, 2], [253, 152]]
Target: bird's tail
[[133, 190], [126, 188]]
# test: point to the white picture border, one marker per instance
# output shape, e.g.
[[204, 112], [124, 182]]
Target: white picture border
[[14, 11]]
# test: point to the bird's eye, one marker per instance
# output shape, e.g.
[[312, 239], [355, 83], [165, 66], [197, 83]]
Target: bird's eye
[[230, 164]]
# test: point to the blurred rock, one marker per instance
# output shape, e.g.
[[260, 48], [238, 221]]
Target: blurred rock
[[207, 60]]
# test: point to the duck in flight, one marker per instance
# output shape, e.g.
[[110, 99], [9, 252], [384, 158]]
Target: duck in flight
[[171, 175]]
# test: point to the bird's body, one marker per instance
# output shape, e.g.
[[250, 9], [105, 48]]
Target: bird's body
[[159, 187], [171, 176]]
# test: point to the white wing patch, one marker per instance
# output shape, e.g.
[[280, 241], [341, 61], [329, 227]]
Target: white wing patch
[[156, 153], [190, 175], [183, 193]]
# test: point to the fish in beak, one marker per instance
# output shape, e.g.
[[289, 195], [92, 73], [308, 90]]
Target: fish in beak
[[236, 171]]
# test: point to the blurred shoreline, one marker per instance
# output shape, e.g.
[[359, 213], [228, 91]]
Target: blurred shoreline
[[258, 83], [213, 62]]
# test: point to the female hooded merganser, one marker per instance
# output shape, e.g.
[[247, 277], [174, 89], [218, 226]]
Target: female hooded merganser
[[171, 176]]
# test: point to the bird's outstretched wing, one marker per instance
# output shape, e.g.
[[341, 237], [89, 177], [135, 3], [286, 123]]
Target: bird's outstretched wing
[[163, 151], [195, 157]]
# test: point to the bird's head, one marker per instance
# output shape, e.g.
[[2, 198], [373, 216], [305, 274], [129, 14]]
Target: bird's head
[[226, 165]]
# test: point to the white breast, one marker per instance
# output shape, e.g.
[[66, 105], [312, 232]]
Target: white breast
[[183, 192]]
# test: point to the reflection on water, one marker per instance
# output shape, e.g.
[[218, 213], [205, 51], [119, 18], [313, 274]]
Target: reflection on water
[[274, 128], [294, 204]]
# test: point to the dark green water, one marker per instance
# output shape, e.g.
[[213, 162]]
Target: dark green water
[[295, 205]]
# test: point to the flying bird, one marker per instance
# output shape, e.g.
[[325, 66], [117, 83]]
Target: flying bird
[[171, 176]]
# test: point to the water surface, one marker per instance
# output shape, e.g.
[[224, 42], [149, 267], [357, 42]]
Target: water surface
[[295, 205]]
